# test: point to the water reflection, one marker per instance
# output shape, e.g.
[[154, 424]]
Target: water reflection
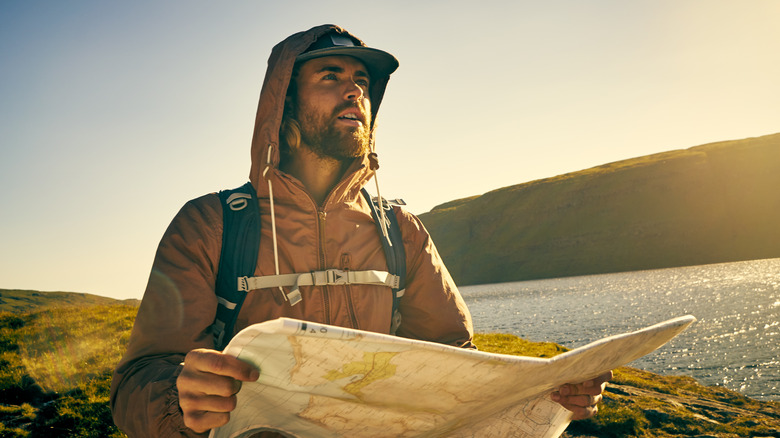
[[735, 342]]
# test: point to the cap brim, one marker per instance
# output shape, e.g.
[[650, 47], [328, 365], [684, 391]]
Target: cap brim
[[378, 62]]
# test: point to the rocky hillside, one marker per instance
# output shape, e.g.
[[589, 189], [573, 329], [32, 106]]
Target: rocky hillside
[[714, 203]]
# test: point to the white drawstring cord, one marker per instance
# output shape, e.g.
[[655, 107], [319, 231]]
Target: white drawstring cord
[[374, 163], [273, 215], [382, 210]]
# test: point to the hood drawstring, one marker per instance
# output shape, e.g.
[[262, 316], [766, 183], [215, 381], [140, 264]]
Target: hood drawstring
[[273, 214], [373, 160]]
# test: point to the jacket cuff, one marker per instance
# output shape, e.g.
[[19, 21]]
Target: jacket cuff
[[173, 417]]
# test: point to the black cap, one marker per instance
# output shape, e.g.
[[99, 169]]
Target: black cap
[[379, 62]]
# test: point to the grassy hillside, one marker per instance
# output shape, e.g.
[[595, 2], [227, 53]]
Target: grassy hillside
[[55, 369], [707, 204], [18, 301], [56, 364]]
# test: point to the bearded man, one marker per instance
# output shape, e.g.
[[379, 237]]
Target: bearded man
[[312, 152]]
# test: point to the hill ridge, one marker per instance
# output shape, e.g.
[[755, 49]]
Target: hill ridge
[[613, 164], [705, 204], [25, 300]]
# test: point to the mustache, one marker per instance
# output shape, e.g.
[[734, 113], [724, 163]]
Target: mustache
[[349, 105]]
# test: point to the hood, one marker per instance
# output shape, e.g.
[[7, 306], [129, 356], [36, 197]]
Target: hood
[[271, 106]]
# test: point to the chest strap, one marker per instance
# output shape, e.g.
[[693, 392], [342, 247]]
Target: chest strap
[[318, 278]]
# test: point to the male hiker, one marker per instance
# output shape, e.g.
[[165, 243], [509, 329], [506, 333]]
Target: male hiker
[[312, 152]]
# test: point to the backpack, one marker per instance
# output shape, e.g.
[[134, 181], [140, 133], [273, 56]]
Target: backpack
[[240, 247]]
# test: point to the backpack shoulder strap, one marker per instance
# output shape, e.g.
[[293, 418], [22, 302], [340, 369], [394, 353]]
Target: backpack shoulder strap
[[240, 244], [393, 246]]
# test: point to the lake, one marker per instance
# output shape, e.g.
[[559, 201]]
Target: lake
[[735, 342]]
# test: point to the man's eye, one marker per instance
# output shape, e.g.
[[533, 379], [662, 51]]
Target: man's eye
[[330, 77], [362, 82]]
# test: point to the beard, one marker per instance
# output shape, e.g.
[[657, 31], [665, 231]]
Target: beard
[[320, 133]]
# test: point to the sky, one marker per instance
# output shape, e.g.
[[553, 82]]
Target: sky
[[114, 114]]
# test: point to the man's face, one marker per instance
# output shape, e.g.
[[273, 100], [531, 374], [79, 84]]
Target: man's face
[[333, 108]]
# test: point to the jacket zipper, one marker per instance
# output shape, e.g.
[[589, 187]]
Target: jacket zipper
[[351, 307], [321, 216], [346, 265]]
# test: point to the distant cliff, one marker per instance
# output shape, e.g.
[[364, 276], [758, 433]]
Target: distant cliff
[[714, 203]]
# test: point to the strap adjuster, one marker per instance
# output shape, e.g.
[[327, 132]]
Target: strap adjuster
[[337, 276], [243, 284], [330, 277]]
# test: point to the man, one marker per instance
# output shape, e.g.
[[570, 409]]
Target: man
[[311, 154]]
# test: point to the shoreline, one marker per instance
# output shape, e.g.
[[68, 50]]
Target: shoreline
[[639, 403]]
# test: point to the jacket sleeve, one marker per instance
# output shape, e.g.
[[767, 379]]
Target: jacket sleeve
[[177, 309], [432, 308]]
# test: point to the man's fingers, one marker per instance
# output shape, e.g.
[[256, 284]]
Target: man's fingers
[[590, 387], [601, 380], [200, 382], [580, 413], [210, 403], [584, 401], [568, 389], [595, 386], [200, 421], [207, 386], [215, 362], [581, 406], [570, 401]]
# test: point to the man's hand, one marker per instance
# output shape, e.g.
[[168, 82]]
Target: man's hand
[[582, 398], [207, 386]]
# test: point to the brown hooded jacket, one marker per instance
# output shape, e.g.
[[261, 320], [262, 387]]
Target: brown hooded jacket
[[179, 304]]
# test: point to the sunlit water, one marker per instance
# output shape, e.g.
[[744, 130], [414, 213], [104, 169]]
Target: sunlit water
[[735, 342]]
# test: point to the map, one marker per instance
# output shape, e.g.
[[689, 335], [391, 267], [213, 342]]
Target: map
[[318, 380]]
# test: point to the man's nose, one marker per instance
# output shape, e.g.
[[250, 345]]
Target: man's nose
[[353, 91]]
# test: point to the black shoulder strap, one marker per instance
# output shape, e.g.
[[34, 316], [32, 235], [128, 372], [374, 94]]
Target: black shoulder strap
[[394, 247], [240, 246]]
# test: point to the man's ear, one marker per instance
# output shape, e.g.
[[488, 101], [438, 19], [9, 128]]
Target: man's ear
[[289, 106], [289, 131]]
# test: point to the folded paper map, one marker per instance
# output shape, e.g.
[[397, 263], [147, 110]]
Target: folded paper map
[[318, 380]]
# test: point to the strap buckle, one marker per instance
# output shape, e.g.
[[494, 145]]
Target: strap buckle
[[330, 277]]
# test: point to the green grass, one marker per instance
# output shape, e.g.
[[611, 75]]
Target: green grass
[[56, 365], [56, 370], [639, 403], [68, 347], [509, 344]]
